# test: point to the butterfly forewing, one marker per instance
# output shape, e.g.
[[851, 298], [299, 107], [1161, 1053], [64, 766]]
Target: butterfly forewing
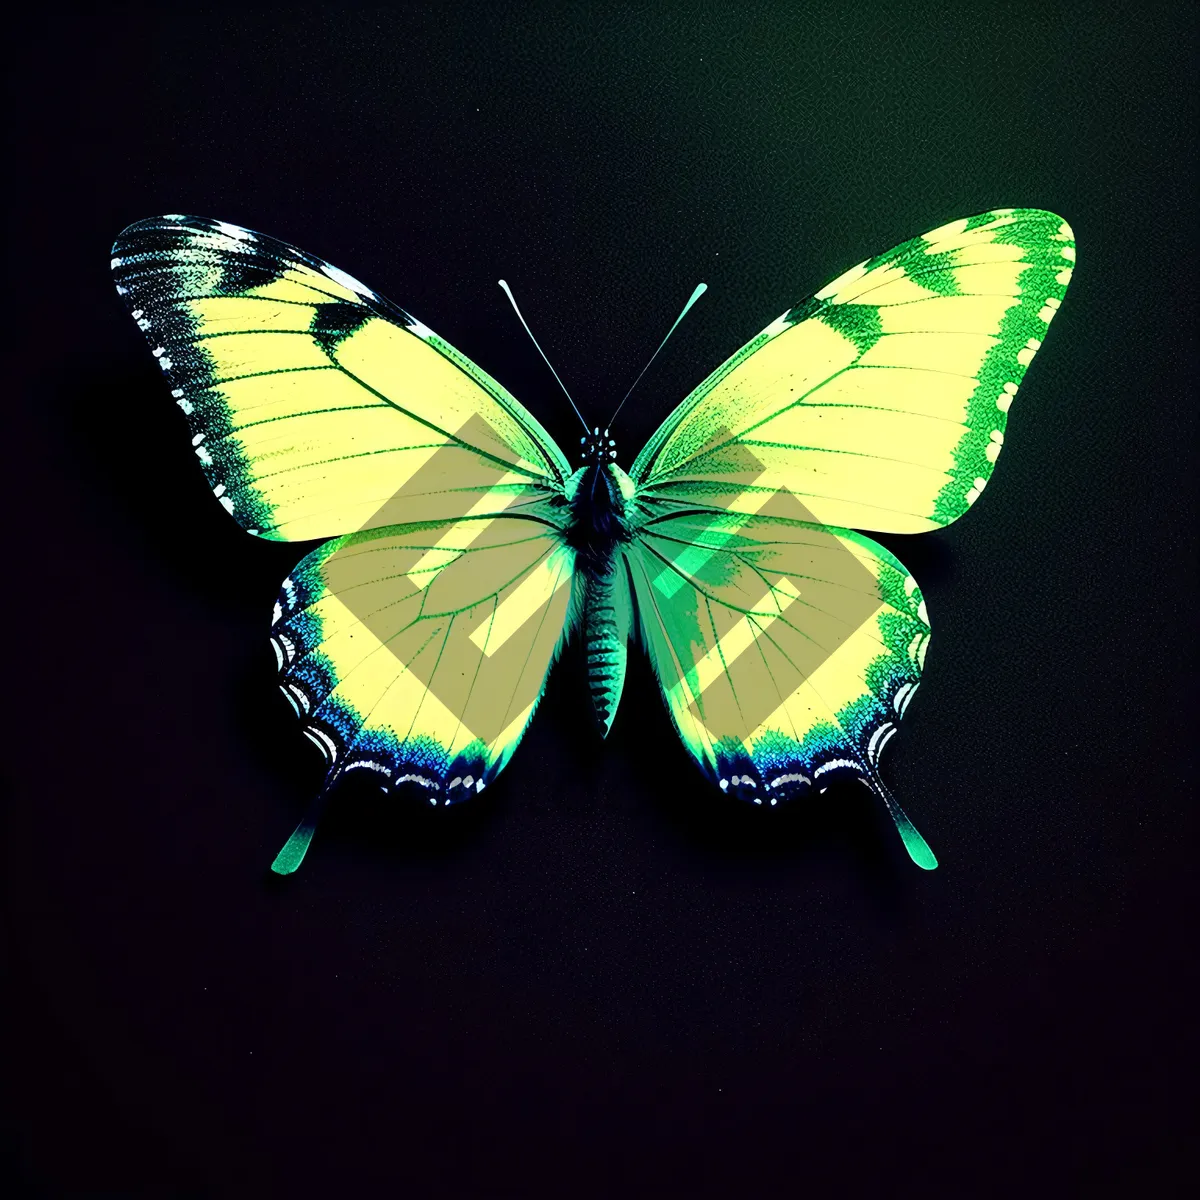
[[881, 402], [312, 400]]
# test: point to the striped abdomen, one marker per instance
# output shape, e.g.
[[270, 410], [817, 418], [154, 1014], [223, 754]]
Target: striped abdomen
[[607, 623]]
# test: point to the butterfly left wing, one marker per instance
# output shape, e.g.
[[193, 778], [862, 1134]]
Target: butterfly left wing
[[416, 645], [419, 653], [317, 407], [786, 651], [881, 402]]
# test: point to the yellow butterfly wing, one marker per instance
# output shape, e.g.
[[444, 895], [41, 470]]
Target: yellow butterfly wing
[[416, 645], [881, 403], [786, 652], [418, 653], [787, 646], [312, 401]]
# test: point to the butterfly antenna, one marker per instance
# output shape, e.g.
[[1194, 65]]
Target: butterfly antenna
[[508, 293], [701, 288], [296, 847], [917, 847]]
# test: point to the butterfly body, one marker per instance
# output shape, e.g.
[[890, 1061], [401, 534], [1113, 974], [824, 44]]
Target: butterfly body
[[462, 552]]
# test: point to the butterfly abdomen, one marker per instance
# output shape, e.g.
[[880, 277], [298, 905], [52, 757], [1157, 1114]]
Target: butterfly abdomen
[[606, 634], [597, 531]]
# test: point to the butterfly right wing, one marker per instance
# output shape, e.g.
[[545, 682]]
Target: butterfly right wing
[[419, 653], [786, 651], [882, 401]]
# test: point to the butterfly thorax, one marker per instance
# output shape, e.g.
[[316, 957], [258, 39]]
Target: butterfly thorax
[[598, 494]]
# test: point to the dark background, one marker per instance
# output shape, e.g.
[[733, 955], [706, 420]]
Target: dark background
[[602, 979]]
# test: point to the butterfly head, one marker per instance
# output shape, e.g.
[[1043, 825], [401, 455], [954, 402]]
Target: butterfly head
[[597, 447]]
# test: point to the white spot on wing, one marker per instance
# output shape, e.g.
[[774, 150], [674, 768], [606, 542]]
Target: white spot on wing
[[781, 779], [348, 281], [235, 231], [429, 783], [879, 739], [422, 331], [365, 764], [1026, 353], [833, 764], [778, 325], [322, 741]]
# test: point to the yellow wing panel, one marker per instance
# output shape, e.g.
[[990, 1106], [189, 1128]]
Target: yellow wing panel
[[787, 652], [419, 654], [315, 406], [778, 643], [882, 402]]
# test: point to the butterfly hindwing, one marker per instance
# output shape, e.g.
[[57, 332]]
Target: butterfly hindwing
[[316, 407], [419, 653], [882, 401], [786, 651]]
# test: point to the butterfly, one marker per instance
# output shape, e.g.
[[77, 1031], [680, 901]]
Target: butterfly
[[460, 547]]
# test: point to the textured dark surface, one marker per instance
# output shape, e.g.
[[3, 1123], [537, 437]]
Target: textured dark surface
[[603, 979]]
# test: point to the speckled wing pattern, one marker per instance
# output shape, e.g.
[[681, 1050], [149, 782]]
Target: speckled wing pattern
[[311, 399], [881, 404], [882, 401], [416, 643]]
